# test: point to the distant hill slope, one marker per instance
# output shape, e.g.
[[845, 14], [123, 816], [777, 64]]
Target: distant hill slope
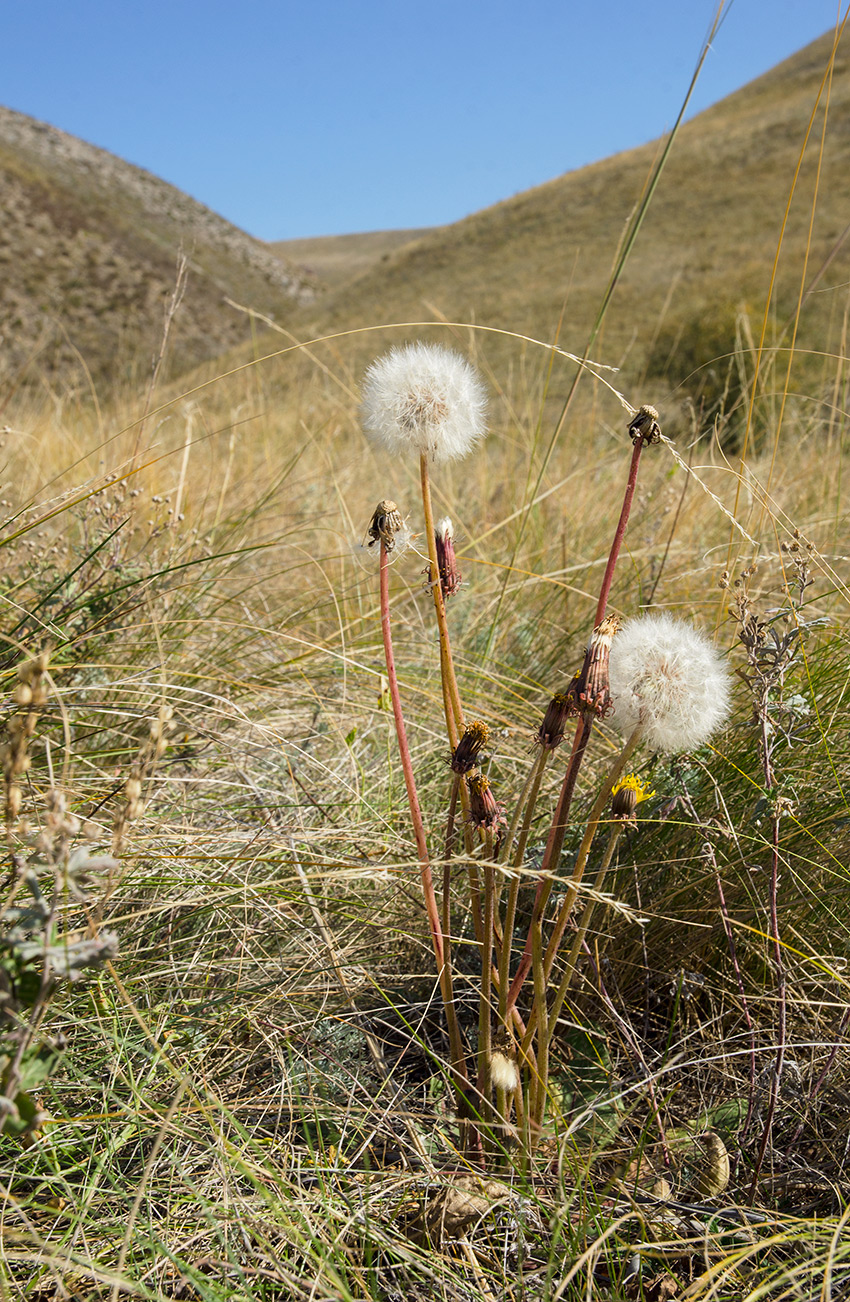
[[335, 259], [88, 249], [707, 243]]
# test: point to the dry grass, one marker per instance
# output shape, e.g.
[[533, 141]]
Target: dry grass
[[214, 1109]]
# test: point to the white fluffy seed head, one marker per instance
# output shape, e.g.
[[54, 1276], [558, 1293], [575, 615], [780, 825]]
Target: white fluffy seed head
[[426, 399], [504, 1073], [667, 676]]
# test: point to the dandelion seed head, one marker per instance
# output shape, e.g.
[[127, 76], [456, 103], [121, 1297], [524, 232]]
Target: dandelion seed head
[[424, 398], [667, 676]]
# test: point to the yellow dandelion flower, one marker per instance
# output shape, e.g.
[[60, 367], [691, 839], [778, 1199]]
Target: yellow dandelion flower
[[627, 794]]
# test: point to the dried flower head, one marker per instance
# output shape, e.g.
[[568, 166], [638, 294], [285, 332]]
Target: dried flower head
[[465, 755], [644, 426], [426, 399], [386, 522], [444, 537], [550, 734], [589, 692], [667, 676], [626, 795], [484, 812]]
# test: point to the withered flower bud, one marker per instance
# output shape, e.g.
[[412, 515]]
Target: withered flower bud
[[386, 523], [590, 693], [446, 562], [550, 734], [644, 426], [466, 753], [484, 812]]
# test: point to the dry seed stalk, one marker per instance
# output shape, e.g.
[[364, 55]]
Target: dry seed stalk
[[30, 697], [141, 770]]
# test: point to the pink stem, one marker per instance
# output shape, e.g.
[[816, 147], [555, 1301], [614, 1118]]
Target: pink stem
[[608, 576], [469, 1135], [551, 854], [407, 768], [555, 841]]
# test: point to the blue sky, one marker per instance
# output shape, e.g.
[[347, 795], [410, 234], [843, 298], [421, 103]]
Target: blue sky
[[317, 117]]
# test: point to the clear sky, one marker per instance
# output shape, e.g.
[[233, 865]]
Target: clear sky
[[318, 117]]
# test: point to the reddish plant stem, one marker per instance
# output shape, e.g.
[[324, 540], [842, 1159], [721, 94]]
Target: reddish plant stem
[[581, 862], [608, 577], [587, 841], [485, 1036], [451, 695], [781, 1030], [557, 832], [578, 940], [407, 765], [822, 1075], [447, 864], [514, 887], [461, 1078], [554, 845]]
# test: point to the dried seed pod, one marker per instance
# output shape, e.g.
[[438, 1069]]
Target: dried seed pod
[[504, 1073], [385, 524]]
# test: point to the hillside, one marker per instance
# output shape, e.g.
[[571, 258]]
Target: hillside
[[88, 251], [335, 259], [705, 249]]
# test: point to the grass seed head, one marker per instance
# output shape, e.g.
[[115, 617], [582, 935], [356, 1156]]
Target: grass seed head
[[666, 676], [426, 399], [29, 696]]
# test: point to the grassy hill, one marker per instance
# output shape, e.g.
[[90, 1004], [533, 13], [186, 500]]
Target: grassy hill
[[88, 252], [704, 252], [335, 259]]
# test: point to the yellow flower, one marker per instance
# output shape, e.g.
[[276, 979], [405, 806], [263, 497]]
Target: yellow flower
[[627, 795]]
